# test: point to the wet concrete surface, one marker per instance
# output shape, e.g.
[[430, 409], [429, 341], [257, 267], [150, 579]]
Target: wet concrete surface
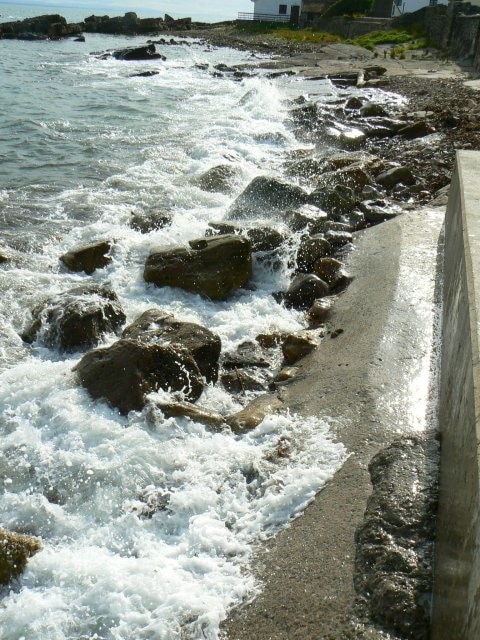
[[375, 381]]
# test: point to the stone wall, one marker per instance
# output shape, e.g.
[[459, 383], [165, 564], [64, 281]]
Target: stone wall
[[456, 609]]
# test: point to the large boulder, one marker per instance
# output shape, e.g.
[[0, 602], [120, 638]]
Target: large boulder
[[155, 327], [263, 195], [88, 258], [146, 52], [311, 249], [213, 267], [151, 221], [217, 179], [394, 176], [304, 290], [336, 200], [125, 373], [76, 319], [15, 550]]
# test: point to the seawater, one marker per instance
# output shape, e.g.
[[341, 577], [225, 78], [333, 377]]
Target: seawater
[[82, 145]]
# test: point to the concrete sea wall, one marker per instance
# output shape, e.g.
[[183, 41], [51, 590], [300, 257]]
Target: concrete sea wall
[[456, 611]]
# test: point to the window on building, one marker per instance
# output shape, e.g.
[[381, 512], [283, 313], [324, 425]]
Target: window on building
[[282, 9]]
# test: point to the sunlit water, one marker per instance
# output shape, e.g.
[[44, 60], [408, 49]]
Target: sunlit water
[[82, 145]]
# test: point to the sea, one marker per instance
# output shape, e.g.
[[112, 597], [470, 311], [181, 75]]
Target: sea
[[83, 144]]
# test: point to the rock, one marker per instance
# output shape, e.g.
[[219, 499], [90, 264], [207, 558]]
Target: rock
[[319, 312], [395, 543], [222, 228], [392, 177], [76, 319], [330, 271], [146, 222], [144, 74], [214, 267], [352, 139], [264, 239], [126, 372], [195, 413], [372, 110], [4, 257], [15, 550], [311, 248], [239, 382], [269, 340], [296, 346], [304, 290], [248, 354], [51, 26], [88, 258], [376, 211], [80, 39], [217, 179], [354, 177], [417, 129], [146, 52], [306, 168], [263, 195], [337, 200], [156, 327], [338, 238], [308, 216], [254, 413], [353, 104], [368, 162], [286, 373]]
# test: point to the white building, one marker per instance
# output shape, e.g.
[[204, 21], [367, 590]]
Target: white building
[[409, 6], [289, 10]]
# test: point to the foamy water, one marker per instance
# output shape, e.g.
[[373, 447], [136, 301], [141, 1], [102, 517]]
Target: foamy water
[[147, 523]]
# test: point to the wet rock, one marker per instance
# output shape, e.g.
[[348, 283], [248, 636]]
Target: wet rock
[[373, 110], [311, 249], [254, 413], [125, 373], [285, 374], [307, 217], [304, 290], [368, 162], [297, 345], [15, 550], [263, 195], [331, 271], [392, 177], [394, 545], [146, 52], [238, 381], [336, 201], [195, 413], [222, 228], [248, 354], [306, 168], [353, 176], [338, 238], [352, 139], [4, 257], [214, 267], [146, 222], [157, 327], [417, 129], [264, 239], [76, 319], [319, 312], [353, 104], [88, 258], [269, 340], [217, 179], [52, 26], [144, 74], [376, 211]]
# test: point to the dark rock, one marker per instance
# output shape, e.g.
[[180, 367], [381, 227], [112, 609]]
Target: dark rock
[[222, 228], [373, 110], [195, 413], [335, 200], [248, 354], [217, 179], [126, 372], [15, 550], [376, 211], [146, 222], [144, 74], [353, 176], [263, 195], [297, 345], [394, 545], [392, 177], [353, 103], [80, 39], [40, 27], [4, 257], [311, 248], [156, 327], [146, 52], [329, 270], [239, 382], [319, 312], [304, 290], [416, 130], [338, 238], [76, 319], [88, 258], [214, 267], [264, 239], [254, 413]]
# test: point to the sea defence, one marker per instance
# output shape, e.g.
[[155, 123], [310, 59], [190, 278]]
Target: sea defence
[[456, 611]]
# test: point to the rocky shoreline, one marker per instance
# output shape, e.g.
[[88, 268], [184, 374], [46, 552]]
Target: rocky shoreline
[[366, 162]]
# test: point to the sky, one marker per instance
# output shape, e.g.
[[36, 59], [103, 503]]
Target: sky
[[199, 10]]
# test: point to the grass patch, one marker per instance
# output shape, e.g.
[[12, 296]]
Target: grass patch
[[287, 32], [372, 39]]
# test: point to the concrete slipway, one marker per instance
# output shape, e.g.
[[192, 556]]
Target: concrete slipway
[[375, 381]]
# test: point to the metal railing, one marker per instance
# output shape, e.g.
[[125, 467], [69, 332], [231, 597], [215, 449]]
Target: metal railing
[[264, 17]]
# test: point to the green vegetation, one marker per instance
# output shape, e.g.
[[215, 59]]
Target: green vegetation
[[288, 32], [396, 37]]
